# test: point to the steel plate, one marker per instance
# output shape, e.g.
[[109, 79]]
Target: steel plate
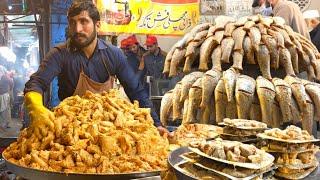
[[34, 174]]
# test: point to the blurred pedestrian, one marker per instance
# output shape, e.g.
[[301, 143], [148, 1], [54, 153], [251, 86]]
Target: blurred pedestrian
[[262, 7], [313, 23], [291, 13], [6, 89]]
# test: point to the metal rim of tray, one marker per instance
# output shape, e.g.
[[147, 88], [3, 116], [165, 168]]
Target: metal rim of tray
[[35, 174]]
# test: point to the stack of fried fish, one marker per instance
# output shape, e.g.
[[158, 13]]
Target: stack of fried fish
[[241, 129], [226, 159], [212, 96], [96, 133], [215, 94], [294, 150], [265, 41]]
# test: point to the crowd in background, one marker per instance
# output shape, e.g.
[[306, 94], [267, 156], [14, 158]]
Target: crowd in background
[[306, 23]]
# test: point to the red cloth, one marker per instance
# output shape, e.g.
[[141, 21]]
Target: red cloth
[[151, 40], [132, 40], [124, 44]]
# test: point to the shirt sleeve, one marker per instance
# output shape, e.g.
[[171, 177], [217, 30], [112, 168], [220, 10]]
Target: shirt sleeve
[[132, 85], [287, 14], [49, 68]]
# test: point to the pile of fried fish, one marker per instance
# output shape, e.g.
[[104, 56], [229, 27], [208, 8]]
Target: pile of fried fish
[[294, 151], [96, 133], [210, 95]]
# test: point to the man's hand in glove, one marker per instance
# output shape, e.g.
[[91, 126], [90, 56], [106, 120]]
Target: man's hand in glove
[[40, 116]]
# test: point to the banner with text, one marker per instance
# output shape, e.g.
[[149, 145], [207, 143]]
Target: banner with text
[[167, 17]]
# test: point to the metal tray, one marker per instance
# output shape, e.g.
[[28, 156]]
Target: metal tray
[[34, 174], [174, 159]]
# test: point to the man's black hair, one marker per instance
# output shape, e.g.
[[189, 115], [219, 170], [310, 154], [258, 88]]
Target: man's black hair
[[77, 7]]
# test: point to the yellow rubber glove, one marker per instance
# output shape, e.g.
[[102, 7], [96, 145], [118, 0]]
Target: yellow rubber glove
[[40, 116]]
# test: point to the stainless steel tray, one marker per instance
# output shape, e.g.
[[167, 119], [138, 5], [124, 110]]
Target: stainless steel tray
[[34, 174]]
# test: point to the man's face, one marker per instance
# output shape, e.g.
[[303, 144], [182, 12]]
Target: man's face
[[82, 29], [134, 48], [273, 2], [152, 48], [261, 2]]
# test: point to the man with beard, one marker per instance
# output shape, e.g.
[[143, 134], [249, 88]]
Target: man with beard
[[83, 63]]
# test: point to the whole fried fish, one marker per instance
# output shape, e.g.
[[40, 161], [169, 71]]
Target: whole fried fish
[[266, 94], [295, 112], [314, 93], [271, 44], [255, 110], [194, 101], [278, 21], [248, 50], [191, 59], [186, 84], [298, 91], [205, 51], [177, 58], [220, 101], [231, 109], [209, 83], [216, 58], [285, 61], [177, 104], [307, 116], [212, 30], [229, 78], [266, 21], [166, 107], [185, 111], [264, 61], [313, 60], [167, 61], [248, 25], [283, 96], [237, 59], [226, 47], [201, 27], [254, 18], [276, 115], [230, 27], [262, 29], [255, 37], [238, 36], [219, 36], [200, 35], [244, 93], [285, 35], [294, 58], [191, 48], [241, 21], [278, 36]]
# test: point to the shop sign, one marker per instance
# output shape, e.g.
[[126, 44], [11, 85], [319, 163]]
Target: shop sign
[[167, 17]]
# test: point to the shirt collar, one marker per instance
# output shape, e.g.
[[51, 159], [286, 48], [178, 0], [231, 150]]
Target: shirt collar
[[102, 44]]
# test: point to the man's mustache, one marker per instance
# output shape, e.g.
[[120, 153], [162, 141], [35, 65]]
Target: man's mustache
[[78, 35]]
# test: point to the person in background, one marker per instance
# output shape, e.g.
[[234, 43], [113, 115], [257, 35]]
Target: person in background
[[313, 23], [124, 46], [135, 47], [134, 57], [83, 63], [291, 13], [153, 60], [6, 89], [262, 7]]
